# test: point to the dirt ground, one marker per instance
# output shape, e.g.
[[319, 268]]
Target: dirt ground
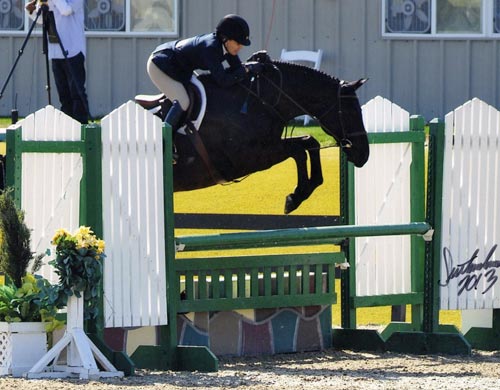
[[331, 369]]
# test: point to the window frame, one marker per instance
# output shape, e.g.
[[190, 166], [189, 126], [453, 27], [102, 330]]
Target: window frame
[[488, 25], [107, 33]]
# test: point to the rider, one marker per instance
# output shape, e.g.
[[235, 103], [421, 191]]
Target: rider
[[171, 64]]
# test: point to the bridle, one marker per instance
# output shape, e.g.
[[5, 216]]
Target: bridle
[[344, 143]]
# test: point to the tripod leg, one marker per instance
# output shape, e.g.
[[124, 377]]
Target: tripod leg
[[45, 51], [20, 53]]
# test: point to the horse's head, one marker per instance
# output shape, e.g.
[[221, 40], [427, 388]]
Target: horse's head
[[297, 90], [344, 122]]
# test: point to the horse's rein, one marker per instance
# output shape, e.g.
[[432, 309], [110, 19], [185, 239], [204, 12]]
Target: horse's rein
[[345, 143]]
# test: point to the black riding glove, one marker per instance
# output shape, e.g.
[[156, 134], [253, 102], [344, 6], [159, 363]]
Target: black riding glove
[[254, 67]]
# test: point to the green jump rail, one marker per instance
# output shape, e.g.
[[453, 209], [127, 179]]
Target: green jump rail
[[295, 237]]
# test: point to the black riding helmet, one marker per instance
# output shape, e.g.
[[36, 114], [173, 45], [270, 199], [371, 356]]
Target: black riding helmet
[[234, 27]]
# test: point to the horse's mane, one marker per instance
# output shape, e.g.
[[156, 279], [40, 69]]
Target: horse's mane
[[263, 57], [298, 67]]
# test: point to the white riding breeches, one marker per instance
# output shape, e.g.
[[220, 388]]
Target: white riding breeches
[[172, 89]]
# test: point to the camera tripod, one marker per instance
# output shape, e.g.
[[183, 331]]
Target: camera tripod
[[48, 27]]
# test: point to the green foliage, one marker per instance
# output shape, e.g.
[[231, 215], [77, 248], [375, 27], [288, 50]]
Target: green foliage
[[15, 251], [78, 264], [35, 300]]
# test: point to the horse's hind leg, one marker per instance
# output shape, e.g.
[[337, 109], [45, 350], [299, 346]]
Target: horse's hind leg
[[305, 185]]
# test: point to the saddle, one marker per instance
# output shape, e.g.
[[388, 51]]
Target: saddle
[[159, 105]]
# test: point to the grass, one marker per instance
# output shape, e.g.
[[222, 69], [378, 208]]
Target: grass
[[4, 122]]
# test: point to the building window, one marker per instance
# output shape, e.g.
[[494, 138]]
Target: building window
[[430, 18], [138, 17], [11, 15], [458, 17], [105, 15]]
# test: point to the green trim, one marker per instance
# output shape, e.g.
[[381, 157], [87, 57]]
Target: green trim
[[53, 147], [168, 333], [262, 302], [91, 202], [14, 163], [399, 136], [388, 300], [417, 213], [434, 214], [347, 313], [350, 249], [250, 262]]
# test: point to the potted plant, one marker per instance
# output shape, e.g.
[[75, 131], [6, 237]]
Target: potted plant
[[28, 302]]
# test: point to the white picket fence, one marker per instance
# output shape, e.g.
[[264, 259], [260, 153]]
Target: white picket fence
[[134, 278], [471, 208], [50, 194], [382, 197]]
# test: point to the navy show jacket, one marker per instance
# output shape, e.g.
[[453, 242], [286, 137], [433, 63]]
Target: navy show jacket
[[180, 58]]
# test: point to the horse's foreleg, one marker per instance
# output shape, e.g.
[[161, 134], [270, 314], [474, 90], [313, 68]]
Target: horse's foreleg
[[305, 185], [313, 148]]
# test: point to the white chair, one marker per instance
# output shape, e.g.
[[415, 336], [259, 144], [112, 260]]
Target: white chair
[[310, 57]]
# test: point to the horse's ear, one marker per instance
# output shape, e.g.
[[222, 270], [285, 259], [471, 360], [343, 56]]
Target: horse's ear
[[353, 84], [359, 83]]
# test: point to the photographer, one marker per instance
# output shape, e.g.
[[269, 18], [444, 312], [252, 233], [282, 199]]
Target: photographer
[[64, 21]]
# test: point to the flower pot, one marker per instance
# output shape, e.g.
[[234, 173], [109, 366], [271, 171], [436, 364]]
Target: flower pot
[[22, 344]]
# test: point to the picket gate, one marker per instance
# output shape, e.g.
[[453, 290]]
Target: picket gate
[[133, 218], [471, 208], [387, 190]]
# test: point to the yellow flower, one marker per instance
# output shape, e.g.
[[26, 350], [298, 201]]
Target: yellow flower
[[83, 237], [100, 246], [60, 233]]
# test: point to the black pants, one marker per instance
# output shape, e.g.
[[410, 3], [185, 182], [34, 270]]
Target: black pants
[[70, 83]]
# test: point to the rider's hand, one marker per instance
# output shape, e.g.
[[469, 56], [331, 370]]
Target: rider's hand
[[254, 67]]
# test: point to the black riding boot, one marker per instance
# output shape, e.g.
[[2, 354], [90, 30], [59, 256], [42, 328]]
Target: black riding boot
[[175, 118]]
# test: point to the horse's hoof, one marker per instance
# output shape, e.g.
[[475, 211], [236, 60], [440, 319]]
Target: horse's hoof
[[290, 204]]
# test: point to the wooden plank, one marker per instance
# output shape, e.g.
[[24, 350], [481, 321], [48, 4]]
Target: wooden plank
[[228, 284], [256, 302], [256, 261], [202, 285], [240, 275], [216, 284], [267, 281], [280, 280], [254, 282], [306, 281], [190, 291]]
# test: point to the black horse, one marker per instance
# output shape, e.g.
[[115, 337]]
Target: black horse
[[243, 128]]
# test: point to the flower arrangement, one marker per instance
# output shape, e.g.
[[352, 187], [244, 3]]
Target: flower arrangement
[[78, 264]]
